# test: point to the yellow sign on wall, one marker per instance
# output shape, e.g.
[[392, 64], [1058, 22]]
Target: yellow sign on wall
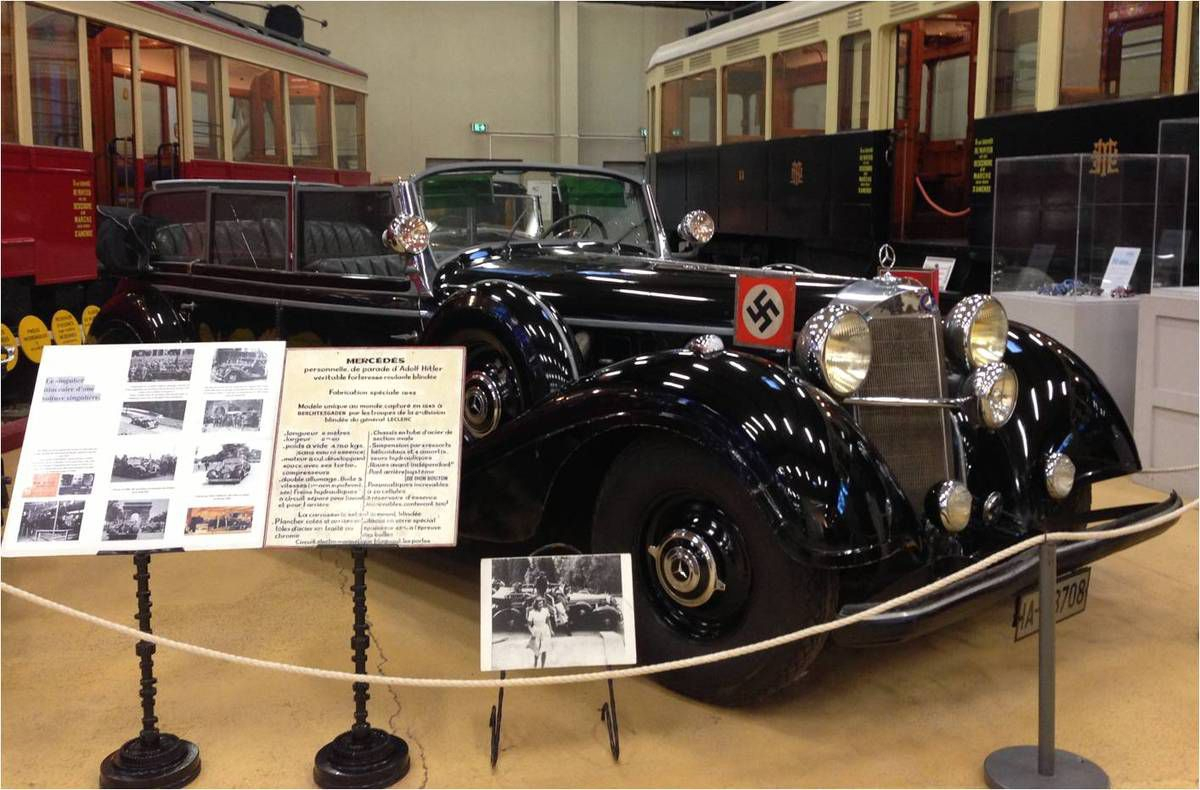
[[65, 329], [34, 337], [9, 342]]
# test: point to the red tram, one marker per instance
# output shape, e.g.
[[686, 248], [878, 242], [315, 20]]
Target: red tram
[[100, 100]]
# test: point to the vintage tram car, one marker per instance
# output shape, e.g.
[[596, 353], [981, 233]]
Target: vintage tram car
[[813, 132], [101, 100]]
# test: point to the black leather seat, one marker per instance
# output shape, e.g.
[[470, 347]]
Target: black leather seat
[[348, 248]]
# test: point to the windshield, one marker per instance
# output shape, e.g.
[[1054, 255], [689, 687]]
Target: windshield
[[494, 207]]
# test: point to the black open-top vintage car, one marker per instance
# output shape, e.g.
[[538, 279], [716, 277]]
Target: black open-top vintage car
[[757, 492]]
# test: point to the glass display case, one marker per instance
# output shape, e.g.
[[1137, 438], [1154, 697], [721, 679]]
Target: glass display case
[[1100, 224]]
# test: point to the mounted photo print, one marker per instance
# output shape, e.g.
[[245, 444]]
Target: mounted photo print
[[570, 610]]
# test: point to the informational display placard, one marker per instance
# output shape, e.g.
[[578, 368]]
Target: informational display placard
[[147, 447], [368, 448], [944, 266], [571, 610], [1120, 268]]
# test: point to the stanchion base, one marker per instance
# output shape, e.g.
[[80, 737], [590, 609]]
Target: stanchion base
[[173, 762], [378, 760], [1017, 766]]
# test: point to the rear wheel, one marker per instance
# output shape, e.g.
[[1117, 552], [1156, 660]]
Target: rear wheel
[[492, 393], [708, 572]]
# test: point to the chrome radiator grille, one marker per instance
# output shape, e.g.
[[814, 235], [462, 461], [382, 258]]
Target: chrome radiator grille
[[906, 361]]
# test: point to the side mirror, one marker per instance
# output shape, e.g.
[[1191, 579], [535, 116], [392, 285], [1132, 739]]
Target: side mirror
[[407, 234], [697, 227]]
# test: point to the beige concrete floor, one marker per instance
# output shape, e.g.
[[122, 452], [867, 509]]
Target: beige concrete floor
[[921, 714]]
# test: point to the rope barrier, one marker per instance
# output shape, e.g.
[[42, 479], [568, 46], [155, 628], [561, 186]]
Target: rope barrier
[[936, 207], [584, 677], [1164, 469]]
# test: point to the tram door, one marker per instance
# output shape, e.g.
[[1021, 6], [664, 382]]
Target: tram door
[[935, 94], [109, 74]]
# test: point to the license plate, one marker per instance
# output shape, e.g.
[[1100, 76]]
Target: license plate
[[1070, 595]]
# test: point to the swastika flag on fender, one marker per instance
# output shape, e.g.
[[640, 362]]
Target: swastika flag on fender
[[765, 311]]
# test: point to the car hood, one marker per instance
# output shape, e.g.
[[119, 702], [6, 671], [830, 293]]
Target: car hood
[[583, 282]]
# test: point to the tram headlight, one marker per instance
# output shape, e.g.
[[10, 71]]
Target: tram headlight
[[977, 331], [994, 388], [835, 345]]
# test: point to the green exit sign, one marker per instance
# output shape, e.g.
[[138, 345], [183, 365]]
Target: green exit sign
[[479, 127]]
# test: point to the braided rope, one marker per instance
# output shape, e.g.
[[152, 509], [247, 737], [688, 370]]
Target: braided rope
[[583, 677], [1164, 469]]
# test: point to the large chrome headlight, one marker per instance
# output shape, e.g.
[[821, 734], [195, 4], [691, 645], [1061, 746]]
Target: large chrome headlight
[[994, 388], [835, 345], [697, 227], [977, 331]]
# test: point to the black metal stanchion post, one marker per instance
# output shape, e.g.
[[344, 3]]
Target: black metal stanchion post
[[363, 756], [153, 758], [1043, 765]]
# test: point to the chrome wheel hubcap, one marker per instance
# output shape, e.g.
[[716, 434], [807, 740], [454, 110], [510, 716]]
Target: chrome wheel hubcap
[[686, 567], [481, 405]]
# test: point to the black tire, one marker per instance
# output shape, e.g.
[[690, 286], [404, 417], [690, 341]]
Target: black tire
[[117, 332], [774, 597]]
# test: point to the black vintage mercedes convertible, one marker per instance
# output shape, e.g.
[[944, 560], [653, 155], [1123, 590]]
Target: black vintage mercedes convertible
[[886, 444]]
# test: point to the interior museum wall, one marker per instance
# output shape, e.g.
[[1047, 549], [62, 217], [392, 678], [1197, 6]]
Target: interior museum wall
[[434, 68]]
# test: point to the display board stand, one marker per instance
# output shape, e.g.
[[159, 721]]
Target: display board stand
[[153, 758], [608, 711], [608, 715], [363, 756], [1043, 765]]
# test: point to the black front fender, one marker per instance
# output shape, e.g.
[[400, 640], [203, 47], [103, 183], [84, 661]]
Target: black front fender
[[529, 327], [1062, 407], [832, 501]]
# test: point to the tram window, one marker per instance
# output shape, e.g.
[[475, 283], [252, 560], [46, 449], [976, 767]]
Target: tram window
[[798, 76], [249, 230], [54, 77], [950, 89], [160, 109], [205, 75], [8, 108], [258, 134], [854, 81], [308, 101], [689, 111], [349, 113], [1013, 56], [1116, 50], [745, 87]]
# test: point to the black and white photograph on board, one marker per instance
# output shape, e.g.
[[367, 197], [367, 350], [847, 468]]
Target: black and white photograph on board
[[143, 467], [160, 364], [570, 610], [225, 464], [151, 416], [77, 484], [235, 365], [232, 415], [51, 520], [135, 519]]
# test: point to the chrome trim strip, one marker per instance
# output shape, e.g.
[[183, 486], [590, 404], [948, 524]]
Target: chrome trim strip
[[886, 400], [386, 311], [648, 326]]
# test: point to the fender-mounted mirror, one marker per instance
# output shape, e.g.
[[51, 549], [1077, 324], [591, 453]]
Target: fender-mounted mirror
[[407, 234], [697, 227]]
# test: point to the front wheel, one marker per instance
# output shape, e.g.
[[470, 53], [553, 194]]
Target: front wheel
[[492, 393], [708, 573]]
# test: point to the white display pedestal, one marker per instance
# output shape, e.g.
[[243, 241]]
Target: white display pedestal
[[1167, 417], [1103, 331]]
